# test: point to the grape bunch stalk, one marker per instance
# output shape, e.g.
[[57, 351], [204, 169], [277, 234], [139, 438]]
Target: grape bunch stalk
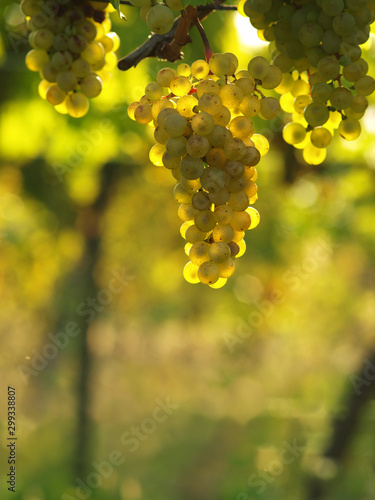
[[325, 85], [204, 134], [73, 49]]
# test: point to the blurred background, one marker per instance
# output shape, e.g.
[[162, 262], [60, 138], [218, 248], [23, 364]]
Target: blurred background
[[133, 384]]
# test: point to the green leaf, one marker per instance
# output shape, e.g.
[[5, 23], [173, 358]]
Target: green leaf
[[116, 4]]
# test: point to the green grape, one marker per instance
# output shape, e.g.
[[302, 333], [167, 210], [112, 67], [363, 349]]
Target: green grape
[[310, 34], [333, 7], [234, 148], [359, 104], [234, 168], [193, 234], [197, 146], [161, 109], [350, 129], [202, 123], [220, 64], [200, 69], [213, 179], [231, 95], [91, 85], [190, 273], [365, 85], [218, 136], [199, 253], [343, 23], [165, 76], [251, 156], [352, 72], [175, 125], [67, 80], [226, 268], [293, 133], [93, 53], [36, 59], [269, 108], [191, 168], [208, 273], [62, 60], [222, 117], [153, 91], [300, 87], [321, 92], [219, 196], [314, 155], [223, 233], [211, 103], [186, 212], [258, 67], [41, 39], [238, 201], [242, 127], [320, 137], [205, 220], [247, 85], [77, 105], [261, 143], [48, 72], [331, 42], [341, 98], [180, 194], [30, 7], [219, 252], [171, 162], [185, 106], [201, 201], [216, 158], [273, 77], [176, 146], [143, 114], [249, 106], [80, 68], [77, 44], [254, 216], [329, 67], [241, 221], [223, 214], [55, 95], [160, 19], [156, 154], [300, 103], [316, 114]]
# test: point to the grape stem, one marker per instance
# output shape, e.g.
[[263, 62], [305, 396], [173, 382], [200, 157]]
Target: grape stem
[[168, 46], [207, 47]]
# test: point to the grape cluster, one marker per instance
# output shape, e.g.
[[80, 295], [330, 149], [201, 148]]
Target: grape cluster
[[73, 50], [316, 44], [204, 134], [158, 16]]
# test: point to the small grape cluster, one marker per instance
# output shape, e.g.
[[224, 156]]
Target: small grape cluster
[[316, 44], [73, 50], [204, 134], [158, 16]]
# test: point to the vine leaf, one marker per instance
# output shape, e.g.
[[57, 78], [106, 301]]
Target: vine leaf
[[116, 5]]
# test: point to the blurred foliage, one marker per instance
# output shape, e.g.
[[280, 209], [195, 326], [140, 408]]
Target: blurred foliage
[[239, 398]]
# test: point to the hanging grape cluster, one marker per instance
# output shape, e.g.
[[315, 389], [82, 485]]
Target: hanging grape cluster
[[316, 44], [204, 134], [73, 50]]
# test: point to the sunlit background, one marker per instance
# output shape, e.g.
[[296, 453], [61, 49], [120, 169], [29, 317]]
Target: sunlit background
[[165, 390]]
